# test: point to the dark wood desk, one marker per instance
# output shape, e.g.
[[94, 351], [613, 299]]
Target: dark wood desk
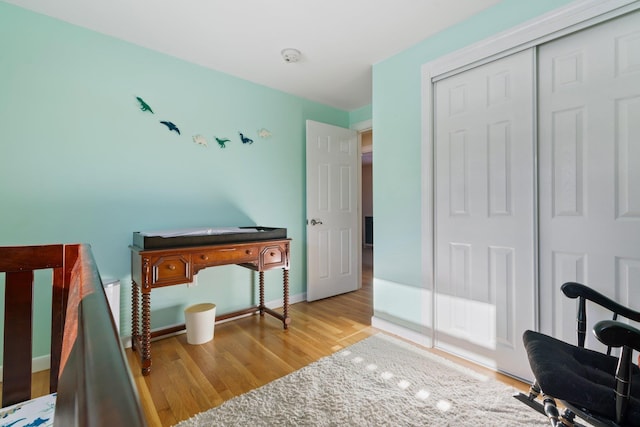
[[155, 268]]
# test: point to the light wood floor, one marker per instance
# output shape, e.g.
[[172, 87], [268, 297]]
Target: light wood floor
[[250, 352]]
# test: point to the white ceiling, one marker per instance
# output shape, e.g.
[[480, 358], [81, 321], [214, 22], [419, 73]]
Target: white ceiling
[[339, 39]]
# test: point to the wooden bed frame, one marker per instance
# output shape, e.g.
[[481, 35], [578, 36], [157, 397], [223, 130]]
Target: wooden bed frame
[[89, 370]]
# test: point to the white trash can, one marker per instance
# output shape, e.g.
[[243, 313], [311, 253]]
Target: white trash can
[[200, 322], [112, 291]]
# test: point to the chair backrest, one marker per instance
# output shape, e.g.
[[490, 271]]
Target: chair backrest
[[19, 264], [583, 294]]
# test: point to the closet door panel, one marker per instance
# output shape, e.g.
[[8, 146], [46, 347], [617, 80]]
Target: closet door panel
[[589, 170], [484, 210]]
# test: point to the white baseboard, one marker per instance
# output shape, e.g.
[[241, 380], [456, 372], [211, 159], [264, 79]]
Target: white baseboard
[[277, 303], [41, 363], [402, 332]]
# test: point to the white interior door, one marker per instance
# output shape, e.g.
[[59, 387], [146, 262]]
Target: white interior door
[[484, 206], [589, 136], [333, 227]]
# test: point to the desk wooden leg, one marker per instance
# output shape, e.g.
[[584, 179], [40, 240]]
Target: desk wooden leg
[[261, 280], [135, 326], [285, 305], [146, 333]]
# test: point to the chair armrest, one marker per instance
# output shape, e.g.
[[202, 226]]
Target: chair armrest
[[576, 290], [617, 334]]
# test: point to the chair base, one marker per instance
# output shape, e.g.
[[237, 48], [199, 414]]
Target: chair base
[[596, 422], [564, 419]]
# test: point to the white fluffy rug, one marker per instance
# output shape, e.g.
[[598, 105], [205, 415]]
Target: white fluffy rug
[[380, 381]]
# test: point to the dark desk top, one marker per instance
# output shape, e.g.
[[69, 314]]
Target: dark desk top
[[205, 236]]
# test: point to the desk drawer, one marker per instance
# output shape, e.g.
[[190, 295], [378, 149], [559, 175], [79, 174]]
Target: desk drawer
[[272, 257], [226, 255], [170, 270]]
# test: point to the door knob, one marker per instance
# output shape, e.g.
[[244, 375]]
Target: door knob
[[316, 222]]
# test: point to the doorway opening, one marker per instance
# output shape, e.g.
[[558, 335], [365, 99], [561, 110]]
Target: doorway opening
[[366, 202]]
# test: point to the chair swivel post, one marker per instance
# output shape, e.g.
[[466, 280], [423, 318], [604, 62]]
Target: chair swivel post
[[623, 384], [534, 391], [582, 321], [551, 410]]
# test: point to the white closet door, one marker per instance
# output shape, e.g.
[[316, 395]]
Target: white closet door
[[589, 139], [484, 204]]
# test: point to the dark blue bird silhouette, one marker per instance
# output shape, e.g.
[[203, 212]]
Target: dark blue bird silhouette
[[244, 139], [171, 126]]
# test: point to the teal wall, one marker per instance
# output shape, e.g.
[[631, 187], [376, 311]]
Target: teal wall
[[399, 290], [361, 114], [80, 162]]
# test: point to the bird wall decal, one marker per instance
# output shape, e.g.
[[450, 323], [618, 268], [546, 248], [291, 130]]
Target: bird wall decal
[[144, 106], [171, 126], [221, 141], [244, 139], [200, 140], [264, 133]]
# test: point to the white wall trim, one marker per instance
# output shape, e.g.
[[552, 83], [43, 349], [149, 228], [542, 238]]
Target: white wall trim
[[401, 331], [427, 171], [361, 126], [552, 25], [41, 363]]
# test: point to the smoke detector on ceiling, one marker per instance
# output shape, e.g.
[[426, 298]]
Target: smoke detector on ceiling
[[290, 55]]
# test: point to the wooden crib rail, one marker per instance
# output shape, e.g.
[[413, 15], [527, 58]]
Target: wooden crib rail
[[88, 368]]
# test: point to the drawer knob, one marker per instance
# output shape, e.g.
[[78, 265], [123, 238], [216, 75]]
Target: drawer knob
[[171, 267], [204, 257], [248, 251], [272, 254]]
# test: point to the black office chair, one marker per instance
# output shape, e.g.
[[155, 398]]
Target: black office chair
[[601, 389]]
